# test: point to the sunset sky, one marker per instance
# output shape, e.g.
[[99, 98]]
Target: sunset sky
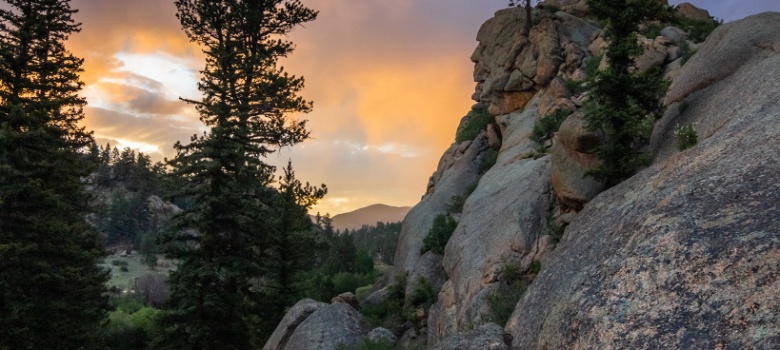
[[389, 80]]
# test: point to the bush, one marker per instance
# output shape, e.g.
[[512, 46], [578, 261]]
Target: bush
[[389, 313], [686, 136], [592, 64], [488, 162], [363, 292], [456, 204], [698, 30], [653, 31], [686, 50], [502, 302], [440, 232], [131, 330], [478, 120], [350, 282], [555, 229], [545, 127], [423, 295], [535, 268]]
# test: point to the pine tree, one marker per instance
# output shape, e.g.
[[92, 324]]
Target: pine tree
[[289, 250], [51, 290], [625, 102], [246, 102]]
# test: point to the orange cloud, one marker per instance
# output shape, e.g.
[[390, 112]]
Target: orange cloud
[[389, 81]]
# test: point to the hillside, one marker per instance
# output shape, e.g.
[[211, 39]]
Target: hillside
[[682, 255], [369, 215]]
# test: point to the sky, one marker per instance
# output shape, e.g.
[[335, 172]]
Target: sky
[[390, 81]]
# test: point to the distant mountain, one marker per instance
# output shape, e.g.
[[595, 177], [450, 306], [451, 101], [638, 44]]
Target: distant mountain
[[369, 215]]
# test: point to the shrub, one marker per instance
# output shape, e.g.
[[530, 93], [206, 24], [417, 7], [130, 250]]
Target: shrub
[[545, 127], [456, 204], [555, 229], [503, 300], [698, 30], [423, 294], [488, 162], [653, 31], [535, 268], [686, 50], [478, 120], [350, 282], [363, 292], [591, 65], [575, 86], [440, 232], [389, 313], [686, 136]]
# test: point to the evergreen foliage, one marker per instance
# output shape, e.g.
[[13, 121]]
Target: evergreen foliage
[[477, 120], [625, 103], [51, 290], [440, 232], [377, 240], [289, 249], [221, 242], [545, 127]]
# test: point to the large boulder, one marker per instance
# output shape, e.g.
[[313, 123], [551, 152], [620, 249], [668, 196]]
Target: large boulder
[[428, 268], [687, 10], [329, 328], [489, 336], [294, 317], [501, 223], [571, 161], [684, 254], [730, 47]]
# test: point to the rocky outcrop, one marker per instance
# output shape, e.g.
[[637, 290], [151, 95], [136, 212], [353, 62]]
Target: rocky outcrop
[[501, 224], [458, 171], [297, 314], [489, 336], [510, 67], [571, 161], [687, 10], [428, 268], [684, 254], [313, 325]]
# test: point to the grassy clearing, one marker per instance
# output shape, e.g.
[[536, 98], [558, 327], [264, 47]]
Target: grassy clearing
[[135, 266]]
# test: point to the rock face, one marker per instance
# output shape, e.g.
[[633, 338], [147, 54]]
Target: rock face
[[297, 314], [501, 224], [313, 325], [510, 67], [684, 254], [489, 336], [693, 12], [458, 171]]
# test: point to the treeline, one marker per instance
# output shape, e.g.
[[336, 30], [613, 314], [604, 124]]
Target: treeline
[[121, 186], [379, 240]]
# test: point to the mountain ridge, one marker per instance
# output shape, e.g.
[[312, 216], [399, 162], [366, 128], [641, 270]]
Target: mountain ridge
[[369, 215]]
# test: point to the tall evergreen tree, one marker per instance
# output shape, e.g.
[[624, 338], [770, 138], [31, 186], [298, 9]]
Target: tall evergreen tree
[[625, 102], [51, 290], [289, 249], [246, 102]]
